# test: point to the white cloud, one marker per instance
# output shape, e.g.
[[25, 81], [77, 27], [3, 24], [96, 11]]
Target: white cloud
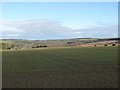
[[101, 31], [78, 32], [47, 29], [13, 35]]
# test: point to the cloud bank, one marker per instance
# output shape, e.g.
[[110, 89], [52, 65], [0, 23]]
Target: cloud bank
[[47, 29]]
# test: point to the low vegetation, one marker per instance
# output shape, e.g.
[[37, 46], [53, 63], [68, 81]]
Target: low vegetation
[[63, 67]]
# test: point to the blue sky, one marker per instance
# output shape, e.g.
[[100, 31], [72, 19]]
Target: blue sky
[[51, 20]]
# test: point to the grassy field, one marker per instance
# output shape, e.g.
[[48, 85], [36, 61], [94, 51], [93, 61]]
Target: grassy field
[[75, 67]]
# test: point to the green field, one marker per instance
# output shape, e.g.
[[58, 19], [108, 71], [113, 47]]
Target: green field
[[72, 67]]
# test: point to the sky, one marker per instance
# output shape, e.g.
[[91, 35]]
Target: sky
[[59, 20]]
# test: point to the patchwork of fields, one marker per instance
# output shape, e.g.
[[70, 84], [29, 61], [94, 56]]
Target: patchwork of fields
[[70, 67]]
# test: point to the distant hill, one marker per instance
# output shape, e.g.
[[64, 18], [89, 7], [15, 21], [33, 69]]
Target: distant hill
[[24, 44]]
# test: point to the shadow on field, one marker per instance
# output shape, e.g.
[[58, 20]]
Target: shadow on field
[[65, 79]]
